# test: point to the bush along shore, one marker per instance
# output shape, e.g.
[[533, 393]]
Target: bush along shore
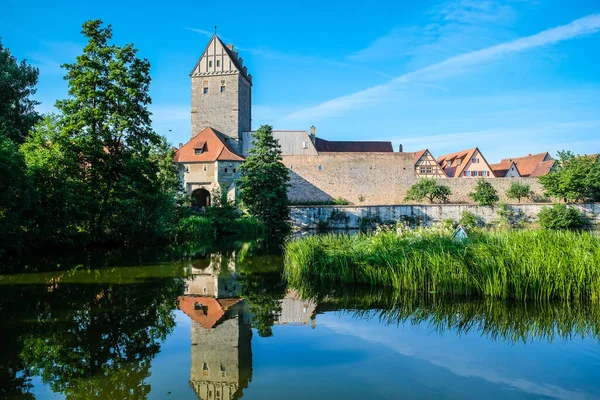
[[519, 264]]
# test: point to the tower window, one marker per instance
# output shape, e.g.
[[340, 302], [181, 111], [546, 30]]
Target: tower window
[[205, 91], [222, 89], [218, 63], [210, 64]]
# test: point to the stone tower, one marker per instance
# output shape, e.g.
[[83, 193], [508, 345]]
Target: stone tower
[[221, 91]]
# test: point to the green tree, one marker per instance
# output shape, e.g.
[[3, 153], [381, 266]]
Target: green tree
[[54, 168], [111, 171], [264, 182], [561, 216], [17, 85], [518, 191], [575, 178], [430, 189], [485, 194], [16, 197]]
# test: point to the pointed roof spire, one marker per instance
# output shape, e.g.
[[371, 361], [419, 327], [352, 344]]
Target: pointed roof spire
[[215, 29]]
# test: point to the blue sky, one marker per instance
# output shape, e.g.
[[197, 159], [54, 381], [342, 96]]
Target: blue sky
[[511, 77]]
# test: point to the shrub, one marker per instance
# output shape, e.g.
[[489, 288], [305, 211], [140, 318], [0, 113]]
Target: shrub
[[193, 228], [485, 194], [428, 188], [470, 220], [561, 216], [518, 191]]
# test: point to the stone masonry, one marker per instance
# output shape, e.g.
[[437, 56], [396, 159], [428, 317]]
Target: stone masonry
[[374, 178]]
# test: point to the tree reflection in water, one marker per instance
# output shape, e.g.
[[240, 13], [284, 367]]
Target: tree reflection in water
[[93, 340], [94, 333]]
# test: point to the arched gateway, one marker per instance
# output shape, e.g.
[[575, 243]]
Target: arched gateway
[[200, 198]]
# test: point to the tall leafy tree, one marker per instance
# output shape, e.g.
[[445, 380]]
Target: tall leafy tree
[[264, 182], [485, 194], [17, 86], [115, 176], [575, 178]]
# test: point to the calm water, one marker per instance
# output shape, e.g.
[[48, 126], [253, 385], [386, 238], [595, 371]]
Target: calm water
[[223, 325]]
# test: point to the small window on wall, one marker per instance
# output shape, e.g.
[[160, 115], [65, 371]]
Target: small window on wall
[[204, 168], [225, 169], [218, 63], [429, 170], [467, 173], [458, 162], [222, 89], [234, 170], [205, 90], [320, 168], [210, 64]]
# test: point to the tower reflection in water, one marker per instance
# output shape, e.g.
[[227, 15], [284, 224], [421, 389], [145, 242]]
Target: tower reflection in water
[[221, 331]]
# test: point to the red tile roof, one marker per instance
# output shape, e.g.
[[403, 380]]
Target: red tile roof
[[501, 169], [419, 154], [528, 164], [211, 311], [543, 168], [464, 155], [327, 146], [214, 148]]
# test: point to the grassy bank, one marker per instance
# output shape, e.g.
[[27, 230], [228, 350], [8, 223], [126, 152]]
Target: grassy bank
[[523, 264]]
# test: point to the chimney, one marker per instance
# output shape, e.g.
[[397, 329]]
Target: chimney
[[180, 145], [400, 148], [313, 133]]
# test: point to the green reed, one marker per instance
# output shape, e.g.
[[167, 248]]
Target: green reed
[[523, 264]]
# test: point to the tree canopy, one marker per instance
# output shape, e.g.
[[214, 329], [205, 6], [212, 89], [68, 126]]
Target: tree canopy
[[428, 188], [518, 191], [264, 182], [17, 86], [575, 178], [485, 194]]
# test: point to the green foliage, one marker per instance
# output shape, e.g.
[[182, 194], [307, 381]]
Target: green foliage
[[561, 216], [520, 264], [428, 188], [17, 86], [469, 220], [16, 197], [263, 184], [575, 178], [102, 173], [193, 228], [485, 194], [518, 191]]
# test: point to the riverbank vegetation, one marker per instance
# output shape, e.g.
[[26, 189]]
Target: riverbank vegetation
[[519, 264]]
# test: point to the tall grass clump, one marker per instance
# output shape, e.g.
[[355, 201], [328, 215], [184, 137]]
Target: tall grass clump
[[522, 264]]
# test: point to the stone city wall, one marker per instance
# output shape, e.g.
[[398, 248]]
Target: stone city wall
[[356, 217], [374, 178]]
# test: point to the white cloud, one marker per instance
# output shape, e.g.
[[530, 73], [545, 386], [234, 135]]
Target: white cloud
[[451, 66]]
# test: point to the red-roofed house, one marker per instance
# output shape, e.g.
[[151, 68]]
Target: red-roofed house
[[206, 163], [426, 166], [532, 165], [505, 169], [466, 164]]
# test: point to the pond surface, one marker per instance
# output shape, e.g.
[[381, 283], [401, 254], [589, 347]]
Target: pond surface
[[224, 325]]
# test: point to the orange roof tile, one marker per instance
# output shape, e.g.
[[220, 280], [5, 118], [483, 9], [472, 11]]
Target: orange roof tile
[[501, 169], [543, 168], [419, 154], [211, 311], [529, 163], [213, 145], [457, 170]]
